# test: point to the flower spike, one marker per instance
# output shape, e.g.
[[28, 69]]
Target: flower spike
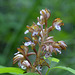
[[39, 37]]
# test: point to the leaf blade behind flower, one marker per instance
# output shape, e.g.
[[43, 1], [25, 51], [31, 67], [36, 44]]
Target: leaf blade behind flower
[[62, 67], [15, 71], [31, 73], [11, 70]]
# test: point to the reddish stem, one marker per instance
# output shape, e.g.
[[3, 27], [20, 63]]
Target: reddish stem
[[31, 53], [35, 50], [28, 60]]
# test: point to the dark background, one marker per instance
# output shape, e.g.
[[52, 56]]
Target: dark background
[[16, 14]]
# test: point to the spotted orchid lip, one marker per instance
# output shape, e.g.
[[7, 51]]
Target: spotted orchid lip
[[19, 55]]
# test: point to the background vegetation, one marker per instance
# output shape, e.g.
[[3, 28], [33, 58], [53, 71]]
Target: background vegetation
[[16, 14]]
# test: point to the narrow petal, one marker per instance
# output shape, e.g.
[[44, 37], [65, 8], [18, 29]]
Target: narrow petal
[[63, 43], [20, 50], [25, 49], [26, 38], [17, 58], [58, 50], [48, 38]]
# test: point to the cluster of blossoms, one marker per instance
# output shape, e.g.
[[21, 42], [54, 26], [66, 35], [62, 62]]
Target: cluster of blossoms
[[40, 36]]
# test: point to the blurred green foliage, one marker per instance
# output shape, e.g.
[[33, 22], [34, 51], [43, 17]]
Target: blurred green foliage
[[16, 14]]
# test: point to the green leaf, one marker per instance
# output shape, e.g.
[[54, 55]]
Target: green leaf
[[52, 62], [11, 70], [49, 58], [1, 66], [30, 73], [64, 68], [44, 57], [15, 71], [60, 67], [55, 60]]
